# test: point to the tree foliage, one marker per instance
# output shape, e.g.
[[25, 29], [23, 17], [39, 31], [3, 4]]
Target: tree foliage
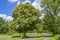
[[3, 26], [49, 22], [51, 5], [51, 8], [25, 17], [39, 26]]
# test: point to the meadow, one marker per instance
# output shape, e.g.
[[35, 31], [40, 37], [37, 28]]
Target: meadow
[[10, 37]]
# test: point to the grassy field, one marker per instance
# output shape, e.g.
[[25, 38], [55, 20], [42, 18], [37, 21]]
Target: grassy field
[[51, 38], [55, 38], [9, 37]]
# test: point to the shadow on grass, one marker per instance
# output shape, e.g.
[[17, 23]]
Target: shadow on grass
[[16, 36], [30, 37], [36, 37]]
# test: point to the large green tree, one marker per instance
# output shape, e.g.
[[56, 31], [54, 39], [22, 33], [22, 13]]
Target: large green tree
[[25, 17]]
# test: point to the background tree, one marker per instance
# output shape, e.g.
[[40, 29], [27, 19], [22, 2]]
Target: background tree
[[3, 26], [49, 22], [39, 26], [57, 24], [51, 8], [25, 17], [1, 22], [51, 5]]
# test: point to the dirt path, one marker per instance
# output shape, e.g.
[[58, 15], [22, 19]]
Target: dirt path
[[46, 38], [29, 39], [32, 38]]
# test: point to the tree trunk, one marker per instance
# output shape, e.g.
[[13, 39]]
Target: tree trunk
[[24, 35]]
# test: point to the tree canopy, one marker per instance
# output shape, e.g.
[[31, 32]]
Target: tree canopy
[[25, 17], [51, 5], [52, 9]]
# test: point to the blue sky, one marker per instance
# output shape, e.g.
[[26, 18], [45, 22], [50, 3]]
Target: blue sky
[[7, 7]]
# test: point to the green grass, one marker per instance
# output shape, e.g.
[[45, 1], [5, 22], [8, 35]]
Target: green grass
[[55, 37], [51, 38], [9, 37], [32, 34]]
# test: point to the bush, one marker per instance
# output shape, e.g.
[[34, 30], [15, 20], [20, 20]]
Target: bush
[[58, 38]]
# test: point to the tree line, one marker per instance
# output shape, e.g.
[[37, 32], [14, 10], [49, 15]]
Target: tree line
[[26, 19]]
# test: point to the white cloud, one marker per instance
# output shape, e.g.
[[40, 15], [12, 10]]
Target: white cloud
[[5, 17], [23, 2], [9, 18], [36, 4], [41, 17], [18, 2], [58, 14], [26, 1], [13, 0]]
